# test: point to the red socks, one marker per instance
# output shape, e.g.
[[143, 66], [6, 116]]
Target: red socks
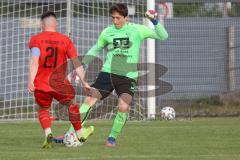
[[44, 118], [74, 117]]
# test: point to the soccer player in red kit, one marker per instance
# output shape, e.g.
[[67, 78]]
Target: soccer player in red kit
[[50, 50]]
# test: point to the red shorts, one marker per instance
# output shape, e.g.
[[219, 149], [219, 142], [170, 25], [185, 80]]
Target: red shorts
[[44, 99]]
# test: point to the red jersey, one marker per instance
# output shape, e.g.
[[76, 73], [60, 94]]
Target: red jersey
[[55, 48]]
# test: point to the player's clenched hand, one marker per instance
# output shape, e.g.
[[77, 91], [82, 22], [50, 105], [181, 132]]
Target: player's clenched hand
[[31, 87], [152, 16]]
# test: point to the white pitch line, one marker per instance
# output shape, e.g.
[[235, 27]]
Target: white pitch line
[[147, 157]]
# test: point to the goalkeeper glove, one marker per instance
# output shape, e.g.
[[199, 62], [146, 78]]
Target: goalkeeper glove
[[152, 16]]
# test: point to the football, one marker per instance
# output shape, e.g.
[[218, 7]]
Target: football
[[168, 113], [70, 140]]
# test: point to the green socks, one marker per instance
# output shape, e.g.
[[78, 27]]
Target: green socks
[[84, 111], [118, 124]]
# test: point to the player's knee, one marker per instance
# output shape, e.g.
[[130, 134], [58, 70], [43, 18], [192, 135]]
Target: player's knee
[[90, 101], [125, 98], [96, 94], [123, 108]]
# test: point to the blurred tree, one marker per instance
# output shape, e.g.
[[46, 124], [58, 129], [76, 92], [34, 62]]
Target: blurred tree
[[196, 10], [235, 10]]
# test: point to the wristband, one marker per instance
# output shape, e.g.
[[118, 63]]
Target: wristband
[[154, 21]]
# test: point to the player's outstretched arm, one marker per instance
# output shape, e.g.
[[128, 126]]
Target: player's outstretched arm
[[152, 16], [159, 31], [95, 50], [92, 54]]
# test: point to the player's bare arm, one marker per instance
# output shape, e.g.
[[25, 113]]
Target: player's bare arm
[[159, 31], [33, 67]]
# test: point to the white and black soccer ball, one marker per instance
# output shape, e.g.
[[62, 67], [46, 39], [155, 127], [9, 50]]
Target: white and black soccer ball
[[70, 140], [168, 113]]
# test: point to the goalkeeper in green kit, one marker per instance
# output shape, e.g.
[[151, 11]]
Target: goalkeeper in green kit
[[119, 72]]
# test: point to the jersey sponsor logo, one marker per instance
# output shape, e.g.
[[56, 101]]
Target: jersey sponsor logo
[[122, 43], [121, 55]]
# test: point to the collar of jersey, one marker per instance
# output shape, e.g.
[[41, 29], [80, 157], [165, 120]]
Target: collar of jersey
[[123, 27]]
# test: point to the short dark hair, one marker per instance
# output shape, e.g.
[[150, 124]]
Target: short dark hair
[[120, 8], [48, 14]]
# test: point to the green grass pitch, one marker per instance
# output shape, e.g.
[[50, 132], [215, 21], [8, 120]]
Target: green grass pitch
[[199, 139]]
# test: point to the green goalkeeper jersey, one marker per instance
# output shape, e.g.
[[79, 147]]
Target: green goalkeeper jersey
[[123, 47]]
